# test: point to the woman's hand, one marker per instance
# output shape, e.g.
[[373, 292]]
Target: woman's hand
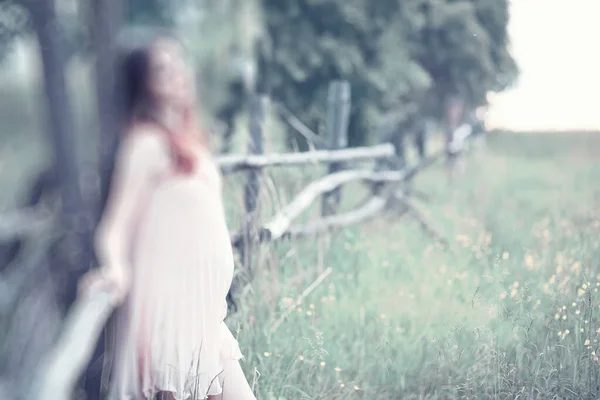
[[116, 279]]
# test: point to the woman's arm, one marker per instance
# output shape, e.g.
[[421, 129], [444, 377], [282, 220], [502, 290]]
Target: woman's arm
[[141, 158]]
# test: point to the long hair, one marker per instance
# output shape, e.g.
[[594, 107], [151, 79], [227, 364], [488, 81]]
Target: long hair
[[138, 105]]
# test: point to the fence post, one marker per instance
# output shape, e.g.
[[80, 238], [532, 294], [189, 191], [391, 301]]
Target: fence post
[[256, 145], [391, 131], [421, 134], [383, 134], [397, 136], [338, 117], [453, 114]]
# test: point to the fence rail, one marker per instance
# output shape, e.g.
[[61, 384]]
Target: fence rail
[[24, 222], [235, 163]]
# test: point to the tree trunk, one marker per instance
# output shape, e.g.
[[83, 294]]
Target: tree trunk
[[74, 246], [68, 253], [105, 17]]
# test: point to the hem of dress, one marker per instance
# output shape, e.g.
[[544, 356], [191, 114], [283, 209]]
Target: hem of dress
[[236, 355]]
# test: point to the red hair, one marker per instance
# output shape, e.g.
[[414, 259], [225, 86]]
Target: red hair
[[182, 142]]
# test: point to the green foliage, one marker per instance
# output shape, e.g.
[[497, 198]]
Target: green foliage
[[396, 54], [464, 48], [151, 12], [401, 57], [364, 42], [221, 41], [14, 21]]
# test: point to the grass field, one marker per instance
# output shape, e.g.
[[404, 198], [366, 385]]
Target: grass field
[[509, 311]]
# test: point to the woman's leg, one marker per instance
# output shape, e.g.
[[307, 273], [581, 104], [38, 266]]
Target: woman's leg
[[234, 383]]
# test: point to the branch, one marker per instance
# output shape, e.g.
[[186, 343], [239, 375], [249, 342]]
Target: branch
[[299, 127], [279, 225], [233, 163], [56, 377], [427, 227], [361, 214], [23, 222], [282, 221], [23, 272]]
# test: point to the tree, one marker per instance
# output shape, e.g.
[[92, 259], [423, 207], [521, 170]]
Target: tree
[[151, 12], [464, 48], [401, 57], [106, 19], [315, 41], [222, 46], [494, 16], [68, 254], [14, 21]]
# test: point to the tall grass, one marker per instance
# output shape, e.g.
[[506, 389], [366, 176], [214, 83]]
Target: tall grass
[[509, 311]]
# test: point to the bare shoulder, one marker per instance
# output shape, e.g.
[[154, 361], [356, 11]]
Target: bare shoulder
[[145, 138], [147, 144]]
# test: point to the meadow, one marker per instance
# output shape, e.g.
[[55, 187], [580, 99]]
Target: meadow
[[509, 310]]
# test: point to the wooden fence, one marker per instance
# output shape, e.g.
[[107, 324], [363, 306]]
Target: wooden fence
[[55, 378]]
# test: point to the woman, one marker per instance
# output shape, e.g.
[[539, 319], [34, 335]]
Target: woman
[[163, 244]]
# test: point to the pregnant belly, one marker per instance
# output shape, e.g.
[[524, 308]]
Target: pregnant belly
[[186, 239]]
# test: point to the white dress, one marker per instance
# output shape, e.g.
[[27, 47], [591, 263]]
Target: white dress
[[170, 333]]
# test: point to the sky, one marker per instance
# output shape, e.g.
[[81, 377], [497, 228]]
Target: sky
[[555, 43]]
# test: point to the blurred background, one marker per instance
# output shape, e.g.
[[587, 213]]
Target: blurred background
[[459, 260]]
